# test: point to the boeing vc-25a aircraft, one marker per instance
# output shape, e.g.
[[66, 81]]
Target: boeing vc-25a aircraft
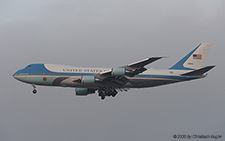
[[107, 82]]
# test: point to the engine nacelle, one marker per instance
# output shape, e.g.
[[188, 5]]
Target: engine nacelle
[[88, 79], [118, 71], [84, 91]]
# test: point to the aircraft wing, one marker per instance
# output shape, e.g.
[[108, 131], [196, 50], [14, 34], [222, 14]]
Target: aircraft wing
[[130, 70], [113, 77], [138, 67], [142, 63]]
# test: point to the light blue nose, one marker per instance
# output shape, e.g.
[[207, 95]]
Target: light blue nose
[[21, 77]]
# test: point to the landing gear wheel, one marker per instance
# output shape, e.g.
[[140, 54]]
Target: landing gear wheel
[[34, 91], [103, 97], [114, 94]]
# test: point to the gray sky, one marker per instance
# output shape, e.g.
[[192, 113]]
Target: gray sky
[[106, 33]]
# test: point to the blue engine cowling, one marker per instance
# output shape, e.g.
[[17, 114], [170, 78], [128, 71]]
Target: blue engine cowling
[[118, 71], [88, 79], [84, 91]]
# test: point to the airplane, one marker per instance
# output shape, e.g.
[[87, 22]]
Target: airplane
[[108, 81]]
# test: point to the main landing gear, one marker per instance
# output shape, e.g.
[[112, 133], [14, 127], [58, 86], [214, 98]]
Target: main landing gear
[[34, 89], [103, 92]]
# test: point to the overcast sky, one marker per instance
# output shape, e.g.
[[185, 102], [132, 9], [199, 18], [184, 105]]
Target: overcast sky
[[106, 33]]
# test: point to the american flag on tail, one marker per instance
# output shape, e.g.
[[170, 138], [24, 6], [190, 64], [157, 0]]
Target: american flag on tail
[[197, 56]]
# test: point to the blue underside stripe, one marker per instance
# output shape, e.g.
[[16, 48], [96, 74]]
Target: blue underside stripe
[[166, 77], [137, 76]]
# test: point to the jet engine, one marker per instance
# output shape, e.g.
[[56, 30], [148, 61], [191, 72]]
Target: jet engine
[[88, 79], [118, 71], [84, 91]]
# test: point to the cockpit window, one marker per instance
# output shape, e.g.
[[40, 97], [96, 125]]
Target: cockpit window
[[28, 66]]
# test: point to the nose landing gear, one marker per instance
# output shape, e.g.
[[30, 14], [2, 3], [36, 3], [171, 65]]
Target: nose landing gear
[[34, 89]]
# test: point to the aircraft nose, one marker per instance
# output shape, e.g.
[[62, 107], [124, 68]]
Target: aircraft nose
[[17, 75]]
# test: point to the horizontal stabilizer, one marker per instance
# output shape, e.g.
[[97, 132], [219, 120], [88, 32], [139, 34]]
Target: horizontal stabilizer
[[199, 71]]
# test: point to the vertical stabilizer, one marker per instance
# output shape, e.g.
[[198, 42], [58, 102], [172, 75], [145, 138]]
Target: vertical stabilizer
[[195, 59]]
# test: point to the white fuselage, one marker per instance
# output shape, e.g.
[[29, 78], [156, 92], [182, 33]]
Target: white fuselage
[[66, 76]]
